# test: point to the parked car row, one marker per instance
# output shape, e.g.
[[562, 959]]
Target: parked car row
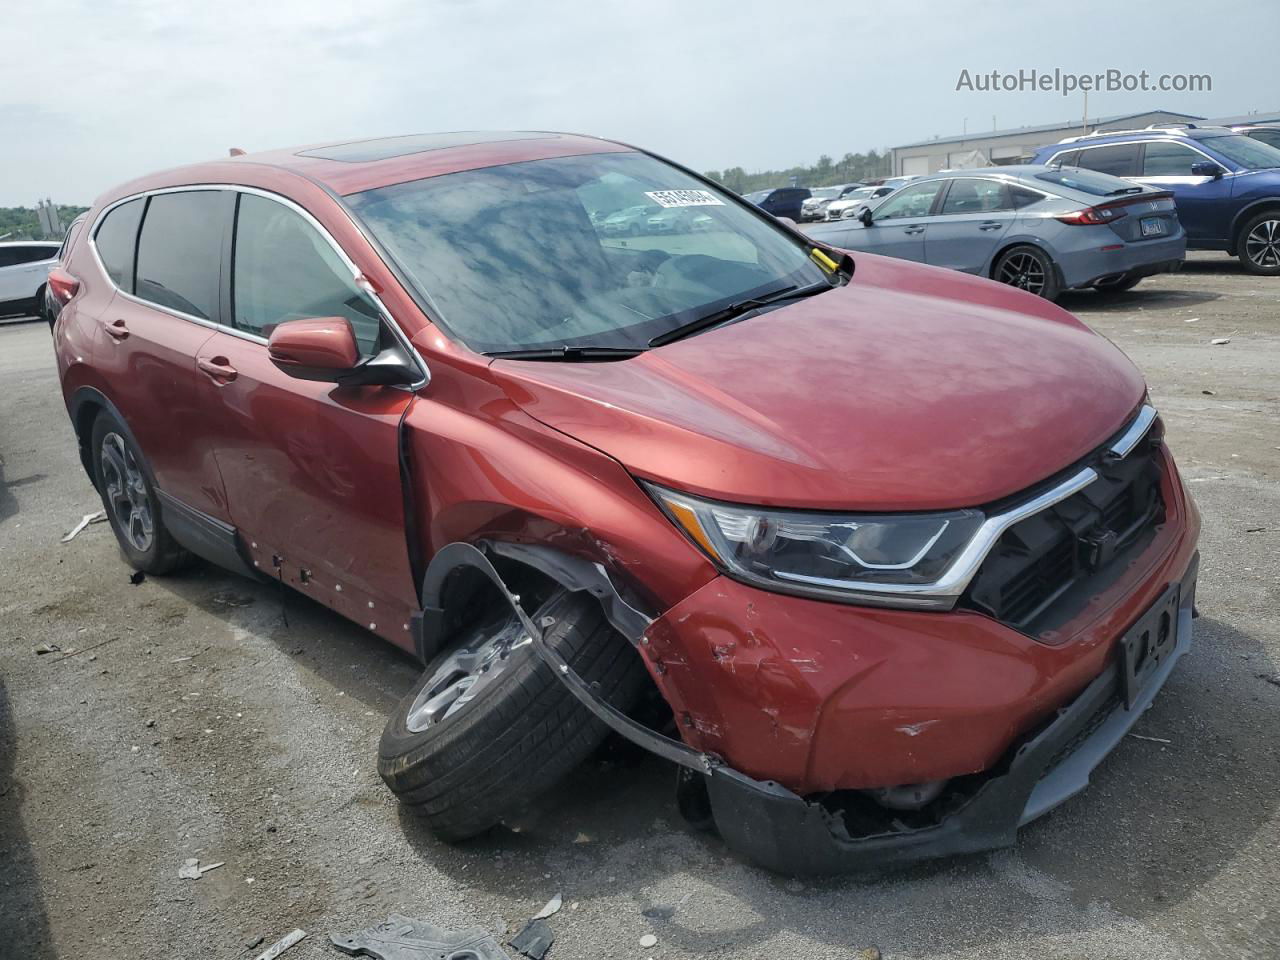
[[815, 207]]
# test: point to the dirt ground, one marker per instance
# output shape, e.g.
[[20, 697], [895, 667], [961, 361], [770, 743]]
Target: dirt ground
[[183, 718]]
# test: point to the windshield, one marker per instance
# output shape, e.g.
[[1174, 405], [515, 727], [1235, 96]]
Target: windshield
[[823, 193], [572, 251], [1249, 153], [862, 193]]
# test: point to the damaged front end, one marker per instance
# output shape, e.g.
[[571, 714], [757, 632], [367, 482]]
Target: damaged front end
[[841, 831]]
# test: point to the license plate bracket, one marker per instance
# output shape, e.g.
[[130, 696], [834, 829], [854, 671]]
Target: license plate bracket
[[1152, 226], [1149, 643]]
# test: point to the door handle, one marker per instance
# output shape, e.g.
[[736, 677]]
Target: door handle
[[219, 369], [990, 225], [914, 230], [116, 329]]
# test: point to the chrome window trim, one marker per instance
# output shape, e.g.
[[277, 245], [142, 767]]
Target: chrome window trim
[[1125, 143], [356, 274], [943, 593]]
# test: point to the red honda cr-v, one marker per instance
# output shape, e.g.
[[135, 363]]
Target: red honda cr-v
[[897, 552]]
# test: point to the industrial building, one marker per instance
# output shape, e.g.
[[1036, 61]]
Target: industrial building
[[1000, 147]]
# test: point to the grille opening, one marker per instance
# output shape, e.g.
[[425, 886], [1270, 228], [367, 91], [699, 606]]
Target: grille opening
[[1045, 568]]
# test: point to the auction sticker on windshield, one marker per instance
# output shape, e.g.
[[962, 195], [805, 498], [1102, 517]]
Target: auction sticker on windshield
[[684, 198]]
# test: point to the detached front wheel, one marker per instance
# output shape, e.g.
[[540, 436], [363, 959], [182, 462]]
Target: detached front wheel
[[489, 726]]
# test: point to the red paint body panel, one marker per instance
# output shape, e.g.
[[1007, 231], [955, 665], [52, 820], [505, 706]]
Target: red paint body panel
[[820, 696], [312, 474], [910, 389]]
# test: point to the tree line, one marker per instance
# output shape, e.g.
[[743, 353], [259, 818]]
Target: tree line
[[826, 172], [22, 223]]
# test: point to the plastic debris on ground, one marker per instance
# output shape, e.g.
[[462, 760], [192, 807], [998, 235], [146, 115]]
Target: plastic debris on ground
[[402, 938], [281, 945], [87, 519], [553, 907], [191, 869], [534, 940]]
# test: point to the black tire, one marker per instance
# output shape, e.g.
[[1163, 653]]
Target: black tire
[[520, 735], [160, 554], [1118, 284], [1258, 244], [1028, 268]]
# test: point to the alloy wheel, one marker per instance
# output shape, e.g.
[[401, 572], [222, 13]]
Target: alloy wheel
[[1262, 246], [466, 672], [127, 492], [1024, 271]]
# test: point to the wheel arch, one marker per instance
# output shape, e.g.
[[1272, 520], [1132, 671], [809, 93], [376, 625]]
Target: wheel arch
[[1244, 215], [452, 588], [84, 407], [1026, 241]]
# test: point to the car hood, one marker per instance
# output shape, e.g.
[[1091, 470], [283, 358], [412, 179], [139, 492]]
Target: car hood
[[910, 388]]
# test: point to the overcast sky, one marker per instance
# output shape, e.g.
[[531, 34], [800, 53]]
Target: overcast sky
[[99, 91]]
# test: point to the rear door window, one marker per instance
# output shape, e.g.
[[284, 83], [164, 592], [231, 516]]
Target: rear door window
[[971, 196], [286, 270], [180, 251], [117, 242], [1118, 159]]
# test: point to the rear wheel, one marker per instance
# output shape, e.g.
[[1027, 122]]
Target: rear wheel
[[130, 501], [1028, 268], [489, 726], [1259, 245], [1117, 284]]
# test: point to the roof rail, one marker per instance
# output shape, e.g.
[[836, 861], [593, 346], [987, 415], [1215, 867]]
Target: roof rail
[[1154, 128], [1173, 126]]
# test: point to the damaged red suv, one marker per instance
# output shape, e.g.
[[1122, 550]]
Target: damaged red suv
[[885, 558]]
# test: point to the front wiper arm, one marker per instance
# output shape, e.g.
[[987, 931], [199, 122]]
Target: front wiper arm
[[735, 310], [569, 353]]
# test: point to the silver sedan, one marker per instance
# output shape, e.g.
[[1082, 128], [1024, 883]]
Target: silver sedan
[[1044, 229]]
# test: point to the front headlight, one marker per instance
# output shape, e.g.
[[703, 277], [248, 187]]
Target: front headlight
[[886, 559]]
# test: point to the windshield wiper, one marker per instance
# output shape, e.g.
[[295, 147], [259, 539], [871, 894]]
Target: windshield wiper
[[567, 352], [735, 310]]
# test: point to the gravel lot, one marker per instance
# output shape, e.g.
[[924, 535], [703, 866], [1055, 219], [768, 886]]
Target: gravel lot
[[200, 725]]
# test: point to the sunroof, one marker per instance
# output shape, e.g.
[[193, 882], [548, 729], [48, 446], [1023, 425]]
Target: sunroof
[[365, 151]]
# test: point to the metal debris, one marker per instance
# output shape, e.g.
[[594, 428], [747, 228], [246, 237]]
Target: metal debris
[[44, 648], [281, 945], [401, 938], [534, 940], [1138, 736], [553, 907], [1219, 341], [191, 869], [87, 519]]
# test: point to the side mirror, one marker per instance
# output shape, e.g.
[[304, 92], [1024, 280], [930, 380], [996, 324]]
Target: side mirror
[[322, 349], [865, 216], [1206, 168]]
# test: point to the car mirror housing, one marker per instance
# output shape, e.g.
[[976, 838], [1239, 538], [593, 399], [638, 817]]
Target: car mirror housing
[[1206, 168], [324, 349]]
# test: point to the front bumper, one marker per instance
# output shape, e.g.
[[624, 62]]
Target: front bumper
[[786, 833]]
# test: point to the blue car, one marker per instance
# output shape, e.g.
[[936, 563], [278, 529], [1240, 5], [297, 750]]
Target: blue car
[[1042, 229], [1226, 185]]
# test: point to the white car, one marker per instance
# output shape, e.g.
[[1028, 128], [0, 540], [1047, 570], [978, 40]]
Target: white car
[[24, 267], [869, 196]]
